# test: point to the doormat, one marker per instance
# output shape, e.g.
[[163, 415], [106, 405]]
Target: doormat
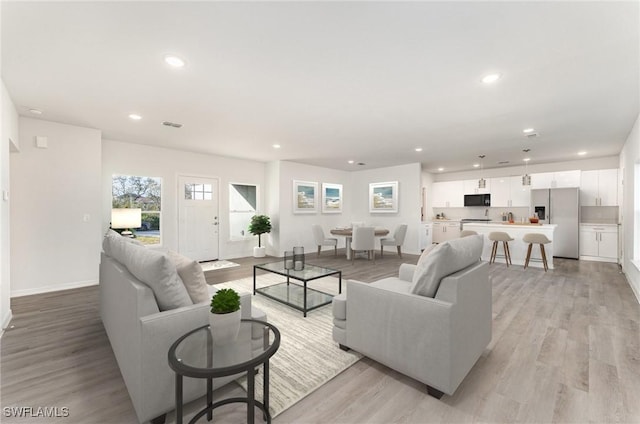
[[214, 265]]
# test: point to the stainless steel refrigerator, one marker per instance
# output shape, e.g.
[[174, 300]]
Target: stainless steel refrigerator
[[560, 206]]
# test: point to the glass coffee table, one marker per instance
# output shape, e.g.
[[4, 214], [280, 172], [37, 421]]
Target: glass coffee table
[[293, 294]]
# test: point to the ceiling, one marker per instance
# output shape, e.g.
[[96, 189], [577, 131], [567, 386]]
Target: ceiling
[[335, 81]]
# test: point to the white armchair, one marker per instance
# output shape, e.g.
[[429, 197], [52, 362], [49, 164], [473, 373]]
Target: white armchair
[[435, 340]]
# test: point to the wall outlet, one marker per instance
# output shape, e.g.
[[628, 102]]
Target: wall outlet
[[86, 217], [5, 195]]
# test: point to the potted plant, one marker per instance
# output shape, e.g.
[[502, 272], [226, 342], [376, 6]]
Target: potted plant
[[224, 319], [259, 225]]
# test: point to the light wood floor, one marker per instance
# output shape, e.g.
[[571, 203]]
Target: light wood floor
[[565, 348]]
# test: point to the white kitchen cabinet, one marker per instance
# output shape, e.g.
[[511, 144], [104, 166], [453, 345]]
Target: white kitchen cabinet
[[447, 194], [599, 188], [509, 192], [426, 235], [471, 187], [562, 179], [599, 242], [445, 230]]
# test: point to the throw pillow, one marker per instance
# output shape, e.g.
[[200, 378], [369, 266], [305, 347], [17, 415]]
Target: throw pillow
[[447, 258], [192, 276], [156, 270]]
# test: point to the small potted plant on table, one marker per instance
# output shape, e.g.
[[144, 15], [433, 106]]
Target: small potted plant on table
[[224, 319], [260, 224]]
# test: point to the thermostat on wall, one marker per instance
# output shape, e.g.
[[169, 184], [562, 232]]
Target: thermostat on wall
[[41, 142]]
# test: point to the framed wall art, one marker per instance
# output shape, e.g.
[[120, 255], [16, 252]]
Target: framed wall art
[[305, 197], [383, 197], [331, 198]]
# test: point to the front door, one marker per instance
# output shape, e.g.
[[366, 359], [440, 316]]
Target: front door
[[198, 218]]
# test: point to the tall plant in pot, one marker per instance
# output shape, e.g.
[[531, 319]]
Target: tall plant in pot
[[224, 319], [260, 224]]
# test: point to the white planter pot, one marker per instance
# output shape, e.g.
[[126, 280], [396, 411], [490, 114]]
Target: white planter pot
[[259, 252], [224, 327]]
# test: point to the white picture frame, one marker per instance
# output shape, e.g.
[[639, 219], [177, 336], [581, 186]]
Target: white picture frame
[[331, 198], [383, 197], [305, 196]]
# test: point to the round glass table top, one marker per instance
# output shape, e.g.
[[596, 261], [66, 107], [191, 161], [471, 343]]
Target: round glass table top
[[195, 354]]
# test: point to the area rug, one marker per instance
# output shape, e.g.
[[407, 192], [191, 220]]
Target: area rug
[[214, 265], [308, 356]]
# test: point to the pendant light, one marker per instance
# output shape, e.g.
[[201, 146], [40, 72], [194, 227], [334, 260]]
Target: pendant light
[[482, 183], [526, 178]]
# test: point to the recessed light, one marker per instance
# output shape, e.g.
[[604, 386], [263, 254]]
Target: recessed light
[[476, 165], [276, 146], [582, 153], [35, 111], [174, 61], [440, 169], [135, 117], [528, 130], [491, 78], [418, 149], [350, 161], [526, 159]]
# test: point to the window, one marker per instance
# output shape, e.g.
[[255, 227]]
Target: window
[[198, 191], [140, 192], [243, 204]]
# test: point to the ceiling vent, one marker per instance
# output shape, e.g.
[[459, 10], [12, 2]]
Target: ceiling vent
[[171, 124], [532, 135], [503, 162]]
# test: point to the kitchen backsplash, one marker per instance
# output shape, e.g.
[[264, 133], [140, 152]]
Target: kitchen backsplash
[[494, 214], [599, 214]]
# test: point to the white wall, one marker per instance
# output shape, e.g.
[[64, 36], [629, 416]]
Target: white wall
[[136, 159], [8, 141], [629, 157], [295, 229], [409, 200], [55, 208], [290, 229]]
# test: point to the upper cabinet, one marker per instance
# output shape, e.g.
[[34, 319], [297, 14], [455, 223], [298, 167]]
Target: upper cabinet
[[599, 188], [471, 187], [561, 179], [509, 192], [447, 194]]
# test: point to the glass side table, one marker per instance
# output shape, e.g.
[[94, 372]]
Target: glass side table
[[195, 355]]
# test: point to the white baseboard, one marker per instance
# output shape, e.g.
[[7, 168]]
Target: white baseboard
[[633, 289], [53, 287], [5, 321]]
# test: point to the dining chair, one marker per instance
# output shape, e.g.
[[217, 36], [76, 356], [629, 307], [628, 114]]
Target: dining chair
[[322, 240], [397, 240], [364, 239]]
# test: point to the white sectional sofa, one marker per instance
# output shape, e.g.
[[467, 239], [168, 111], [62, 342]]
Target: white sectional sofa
[[141, 332]]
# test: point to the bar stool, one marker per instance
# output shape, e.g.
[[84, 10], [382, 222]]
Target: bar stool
[[540, 239], [497, 236]]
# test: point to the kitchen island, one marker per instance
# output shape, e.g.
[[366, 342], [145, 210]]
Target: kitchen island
[[517, 247]]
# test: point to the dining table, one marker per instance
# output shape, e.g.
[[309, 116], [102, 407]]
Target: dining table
[[347, 233]]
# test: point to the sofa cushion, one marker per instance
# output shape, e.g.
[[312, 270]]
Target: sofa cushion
[[393, 284], [192, 276], [447, 258], [113, 242], [156, 270]]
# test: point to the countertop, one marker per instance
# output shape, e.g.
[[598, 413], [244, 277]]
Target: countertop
[[501, 224]]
